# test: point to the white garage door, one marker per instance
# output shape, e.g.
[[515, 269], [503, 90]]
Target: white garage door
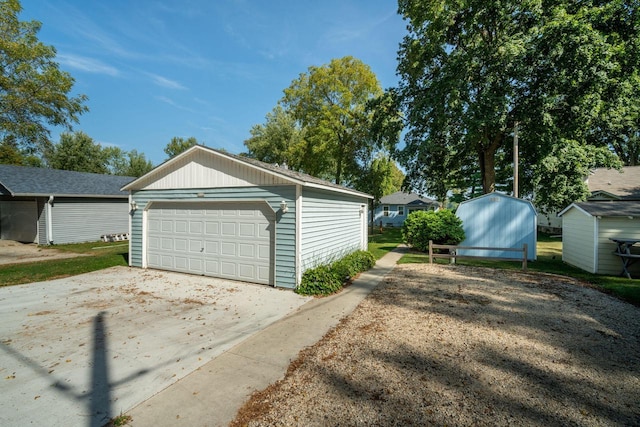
[[227, 240]]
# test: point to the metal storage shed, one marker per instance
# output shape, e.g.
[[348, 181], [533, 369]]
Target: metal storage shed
[[213, 213], [496, 220], [47, 206], [586, 231]]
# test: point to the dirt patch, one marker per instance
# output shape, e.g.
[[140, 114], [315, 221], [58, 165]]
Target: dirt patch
[[15, 252], [454, 345]]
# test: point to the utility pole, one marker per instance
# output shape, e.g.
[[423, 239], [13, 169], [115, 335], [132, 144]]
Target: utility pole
[[515, 160]]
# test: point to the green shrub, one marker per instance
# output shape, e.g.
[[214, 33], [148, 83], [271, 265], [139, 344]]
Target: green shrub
[[442, 226], [328, 279]]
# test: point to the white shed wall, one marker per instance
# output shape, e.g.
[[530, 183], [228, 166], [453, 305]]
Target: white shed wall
[[578, 240], [615, 227]]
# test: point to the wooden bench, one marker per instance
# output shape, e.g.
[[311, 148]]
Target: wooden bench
[[627, 260]]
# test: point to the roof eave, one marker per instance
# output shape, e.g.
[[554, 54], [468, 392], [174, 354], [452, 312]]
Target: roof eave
[[338, 190]]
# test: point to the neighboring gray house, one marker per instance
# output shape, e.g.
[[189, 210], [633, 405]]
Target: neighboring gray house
[[496, 220], [586, 231], [213, 213], [394, 208], [49, 206], [604, 184]]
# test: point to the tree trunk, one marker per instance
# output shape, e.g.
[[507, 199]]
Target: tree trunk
[[488, 169]]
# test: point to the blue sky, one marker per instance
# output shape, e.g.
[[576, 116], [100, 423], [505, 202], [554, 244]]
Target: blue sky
[[155, 69]]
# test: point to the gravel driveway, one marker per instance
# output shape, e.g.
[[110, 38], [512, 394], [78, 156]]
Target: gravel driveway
[[80, 350], [454, 345]]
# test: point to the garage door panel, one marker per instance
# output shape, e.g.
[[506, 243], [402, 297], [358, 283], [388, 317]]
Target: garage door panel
[[221, 239], [228, 249], [180, 245], [247, 230], [246, 250], [212, 228], [228, 229]]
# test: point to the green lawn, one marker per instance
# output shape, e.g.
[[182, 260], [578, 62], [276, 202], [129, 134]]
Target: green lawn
[[549, 260], [380, 244], [100, 255]]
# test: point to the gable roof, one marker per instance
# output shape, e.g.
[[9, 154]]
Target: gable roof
[[31, 181], [609, 208], [625, 184], [283, 173], [402, 198]]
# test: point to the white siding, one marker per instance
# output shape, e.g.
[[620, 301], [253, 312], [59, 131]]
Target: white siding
[[206, 170], [332, 226], [85, 220], [578, 239], [629, 228]]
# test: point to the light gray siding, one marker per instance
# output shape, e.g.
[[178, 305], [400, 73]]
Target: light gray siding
[[42, 221], [332, 226], [285, 223], [608, 227], [498, 221], [578, 247], [85, 220]]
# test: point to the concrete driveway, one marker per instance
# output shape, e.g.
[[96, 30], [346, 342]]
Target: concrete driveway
[[81, 350]]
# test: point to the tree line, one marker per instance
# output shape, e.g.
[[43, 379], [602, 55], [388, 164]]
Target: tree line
[[562, 75]]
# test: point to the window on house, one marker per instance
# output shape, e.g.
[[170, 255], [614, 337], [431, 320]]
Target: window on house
[[400, 210], [385, 211]]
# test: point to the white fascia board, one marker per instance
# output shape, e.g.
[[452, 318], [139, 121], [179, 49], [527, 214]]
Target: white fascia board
[[338, 190]]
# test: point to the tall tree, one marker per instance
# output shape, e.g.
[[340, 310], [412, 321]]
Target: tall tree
[[471, 69], [34, 92], [178, 145], [77, 152], [330, 104]]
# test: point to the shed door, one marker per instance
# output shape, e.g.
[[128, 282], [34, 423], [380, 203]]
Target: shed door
[[227, 240], [19, 221]]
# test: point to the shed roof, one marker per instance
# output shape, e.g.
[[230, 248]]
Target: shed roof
[[503, 196], [608, 208], [402, 198], [289, 175], [31, 181], [625, 184]]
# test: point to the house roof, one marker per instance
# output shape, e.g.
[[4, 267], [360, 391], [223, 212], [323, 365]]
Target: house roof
[[609, 208], [289, 175], [625, 184], [402, 198], [31, 181]]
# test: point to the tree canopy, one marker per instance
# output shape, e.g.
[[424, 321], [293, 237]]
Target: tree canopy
[[34, 92], [331, 123], [178, 144], [79, 152], [472, 69]]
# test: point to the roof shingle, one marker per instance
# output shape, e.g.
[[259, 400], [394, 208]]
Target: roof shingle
[[31, 181]]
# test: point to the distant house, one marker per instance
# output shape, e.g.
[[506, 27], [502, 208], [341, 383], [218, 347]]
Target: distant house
[[496, 220], [394, 208], [48, 206], [587, 229], [604, 184]]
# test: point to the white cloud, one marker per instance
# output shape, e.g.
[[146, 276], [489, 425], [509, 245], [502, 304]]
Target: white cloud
[[89, 65], [164, 82]]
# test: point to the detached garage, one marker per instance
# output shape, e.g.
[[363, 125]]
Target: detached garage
[[216, 214]]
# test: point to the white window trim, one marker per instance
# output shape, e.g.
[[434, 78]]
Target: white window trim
[[385, 210]]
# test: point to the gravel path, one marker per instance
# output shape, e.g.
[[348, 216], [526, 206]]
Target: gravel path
[[454, 345]]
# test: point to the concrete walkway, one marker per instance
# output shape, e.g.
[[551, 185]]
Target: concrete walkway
[[213, 394]]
